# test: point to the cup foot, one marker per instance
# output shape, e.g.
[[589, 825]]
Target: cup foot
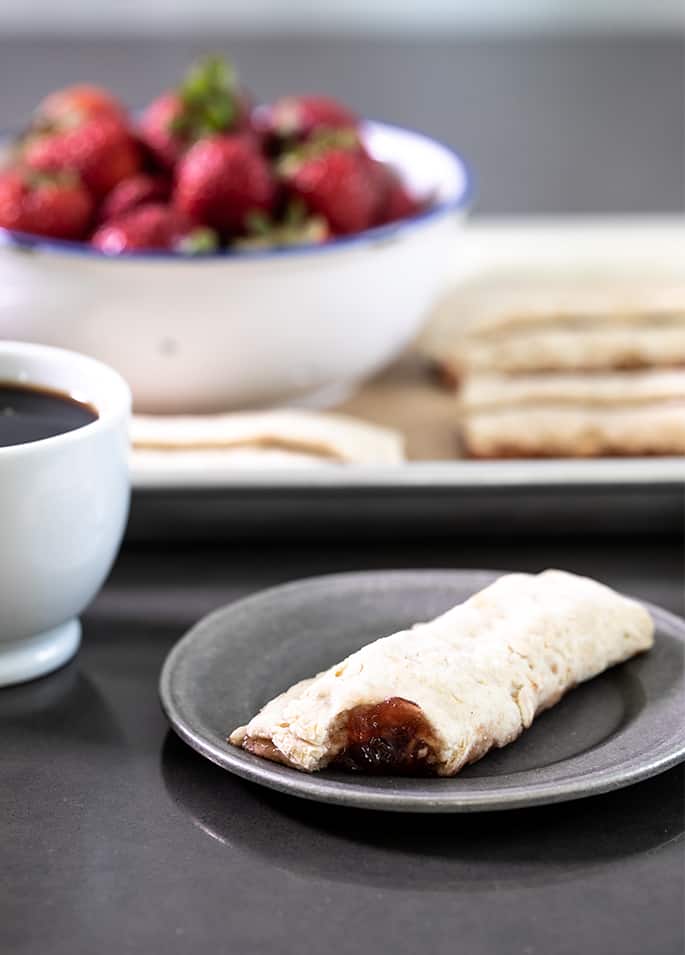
[[36, 656]]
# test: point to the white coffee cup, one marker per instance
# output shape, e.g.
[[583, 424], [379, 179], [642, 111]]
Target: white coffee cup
[[63, 508]]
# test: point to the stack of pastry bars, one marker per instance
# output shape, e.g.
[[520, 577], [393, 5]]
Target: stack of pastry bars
[[565, 367]]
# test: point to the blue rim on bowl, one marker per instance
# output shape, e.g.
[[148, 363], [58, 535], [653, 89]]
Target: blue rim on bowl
[[460, 198]]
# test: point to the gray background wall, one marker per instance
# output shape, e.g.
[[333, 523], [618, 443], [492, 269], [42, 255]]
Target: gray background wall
[[554, 117], [67, 16]]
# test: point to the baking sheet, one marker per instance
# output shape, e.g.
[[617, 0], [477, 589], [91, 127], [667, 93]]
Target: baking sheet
[[436, 491]]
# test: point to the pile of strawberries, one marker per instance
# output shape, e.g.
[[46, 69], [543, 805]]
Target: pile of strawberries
[[199, 170]]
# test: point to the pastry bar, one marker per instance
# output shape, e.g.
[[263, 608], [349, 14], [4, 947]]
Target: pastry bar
[[430, 700], [533, 325], [573, 415], [255, 438]]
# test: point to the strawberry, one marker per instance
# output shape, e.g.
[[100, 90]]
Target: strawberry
[[158, 129], [208, 101], [56, 206], [336, 183], [399, 204], [221, 180], [132, 192], [75, 104], [100, 150], [151, 226], [394, 199], [297, 117]]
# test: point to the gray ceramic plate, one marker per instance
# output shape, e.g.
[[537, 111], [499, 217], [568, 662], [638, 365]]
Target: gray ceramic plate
[[622, 727]]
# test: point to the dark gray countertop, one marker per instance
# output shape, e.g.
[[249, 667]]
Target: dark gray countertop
[[116, 838]]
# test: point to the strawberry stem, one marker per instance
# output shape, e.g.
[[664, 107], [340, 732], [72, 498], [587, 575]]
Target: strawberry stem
[[321, 142], [199, 241], [258, 223], [297, 228], [209, 94]]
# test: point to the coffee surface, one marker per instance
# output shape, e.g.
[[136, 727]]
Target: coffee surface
[[31, 414]]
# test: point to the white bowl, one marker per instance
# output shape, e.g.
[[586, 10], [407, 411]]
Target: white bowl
[[238, 329], [63, 508]]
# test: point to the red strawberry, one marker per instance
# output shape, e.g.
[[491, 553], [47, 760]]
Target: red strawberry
[[337, 184], [394, 199], [150, 226], [158, 129], [75, 104], [209, 101], [399, 204], [100, 150], [221, 180], [133, 192], [297, 117], [56, 206]]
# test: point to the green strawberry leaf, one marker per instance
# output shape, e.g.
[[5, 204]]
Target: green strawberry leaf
[[209, 94], [199, 241], [321, 142], [297, 228], [258, 223]]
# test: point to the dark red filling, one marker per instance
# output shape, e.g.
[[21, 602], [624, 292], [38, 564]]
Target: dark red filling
[[388, 738]]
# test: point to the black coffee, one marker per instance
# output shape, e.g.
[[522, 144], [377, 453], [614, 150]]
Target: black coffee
[[30, 414]]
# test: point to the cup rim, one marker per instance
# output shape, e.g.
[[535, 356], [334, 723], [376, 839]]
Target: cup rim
[[110, 409]]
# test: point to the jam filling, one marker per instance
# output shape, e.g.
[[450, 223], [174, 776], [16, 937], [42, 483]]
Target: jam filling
[[391, 737]]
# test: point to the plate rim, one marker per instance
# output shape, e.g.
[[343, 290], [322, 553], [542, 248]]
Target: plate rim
[[355, 794]]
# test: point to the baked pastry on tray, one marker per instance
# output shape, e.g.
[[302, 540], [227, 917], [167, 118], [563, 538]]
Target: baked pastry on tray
[[555, 365], [542, 323], [261, 438], [430, 700], [573, 414]]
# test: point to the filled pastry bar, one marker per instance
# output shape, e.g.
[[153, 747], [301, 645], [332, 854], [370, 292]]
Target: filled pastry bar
[[431, 699], [525, 324], [563, 366], [574, 415]]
